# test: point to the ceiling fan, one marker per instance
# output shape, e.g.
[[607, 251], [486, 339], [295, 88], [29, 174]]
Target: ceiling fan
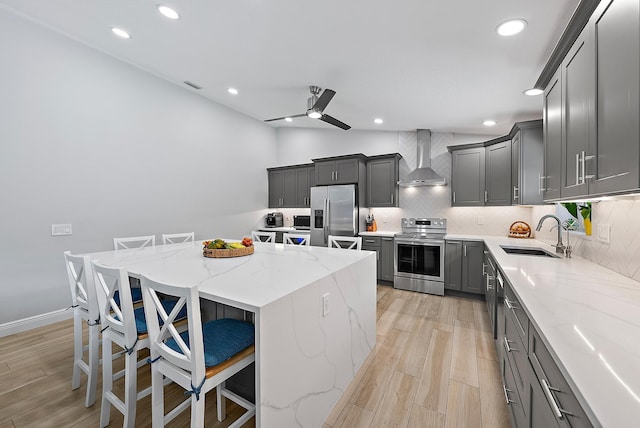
[[315, 108]]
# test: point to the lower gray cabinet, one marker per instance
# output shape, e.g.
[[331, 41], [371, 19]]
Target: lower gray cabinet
[[383, 246], [463, 266]]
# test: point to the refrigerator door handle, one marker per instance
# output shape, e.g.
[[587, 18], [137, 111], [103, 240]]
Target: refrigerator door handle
[[327, 220]]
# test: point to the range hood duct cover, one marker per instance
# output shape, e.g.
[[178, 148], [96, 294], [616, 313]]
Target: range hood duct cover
[[423, 175]]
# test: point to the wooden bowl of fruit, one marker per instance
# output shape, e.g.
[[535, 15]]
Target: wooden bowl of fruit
[[520, 229], [218, 248]]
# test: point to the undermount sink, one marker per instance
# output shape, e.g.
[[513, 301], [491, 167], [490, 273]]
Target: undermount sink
[[527, 251]]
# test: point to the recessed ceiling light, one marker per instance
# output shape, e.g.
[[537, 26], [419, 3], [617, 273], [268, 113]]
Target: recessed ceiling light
[[121, 33], [232, 91], [489, 123], [288, 119], [314, 114], [168, 12], [378, 121], [533, 92], [512, 27]]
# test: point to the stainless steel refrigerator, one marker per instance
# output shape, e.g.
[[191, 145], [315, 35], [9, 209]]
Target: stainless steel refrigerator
[[334, 211]]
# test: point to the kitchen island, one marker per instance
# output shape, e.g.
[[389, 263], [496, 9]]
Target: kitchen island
[[304, 360]]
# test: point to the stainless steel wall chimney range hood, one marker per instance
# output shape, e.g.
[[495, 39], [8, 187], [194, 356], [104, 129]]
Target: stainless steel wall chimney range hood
[[423, 175]]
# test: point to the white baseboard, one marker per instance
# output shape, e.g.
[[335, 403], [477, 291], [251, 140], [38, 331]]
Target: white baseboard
[[35, 321]]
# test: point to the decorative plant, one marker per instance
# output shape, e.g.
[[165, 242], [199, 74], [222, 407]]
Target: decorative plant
[[585, 212]]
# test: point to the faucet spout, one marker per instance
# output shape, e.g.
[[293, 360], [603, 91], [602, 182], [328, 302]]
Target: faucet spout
[[559, 245]]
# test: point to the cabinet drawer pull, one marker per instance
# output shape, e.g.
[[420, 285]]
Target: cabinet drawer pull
[[509, 304], [506, 345], [551, 399], [371, 241], [500, 281], [486, 196], [506, 395], [484, 268]]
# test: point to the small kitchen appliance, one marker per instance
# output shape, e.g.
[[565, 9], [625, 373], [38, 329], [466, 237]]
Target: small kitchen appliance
[[302, 222], [419, 255], [275, 219]]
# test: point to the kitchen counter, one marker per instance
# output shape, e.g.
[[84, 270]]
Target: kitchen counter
[[379, 233], [589, 318], [300, 374]]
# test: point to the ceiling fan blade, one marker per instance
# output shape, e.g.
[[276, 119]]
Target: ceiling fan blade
[[284, 117], [324, 99], [335, 122]]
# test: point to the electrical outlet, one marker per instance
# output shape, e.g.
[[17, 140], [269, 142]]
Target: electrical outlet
[[60, 229], [325, 304], [604, 233], [480, 220]]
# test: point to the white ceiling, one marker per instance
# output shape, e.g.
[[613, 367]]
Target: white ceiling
[[434, 64]]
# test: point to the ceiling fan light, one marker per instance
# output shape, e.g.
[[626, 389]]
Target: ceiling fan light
[[533, 92], [288, 119], [314, 114]]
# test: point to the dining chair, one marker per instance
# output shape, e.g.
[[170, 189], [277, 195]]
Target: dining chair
[[125, 326], [296, 238], [134, 242], [177, 238], [346, 242], [85, 308], [199, 359], [263, 236]]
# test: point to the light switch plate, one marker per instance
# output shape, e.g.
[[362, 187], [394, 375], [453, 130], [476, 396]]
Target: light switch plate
[[604, 233], [60, 229], [480, 220], [325, 304]]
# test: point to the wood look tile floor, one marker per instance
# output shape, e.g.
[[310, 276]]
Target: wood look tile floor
[[434, 365]]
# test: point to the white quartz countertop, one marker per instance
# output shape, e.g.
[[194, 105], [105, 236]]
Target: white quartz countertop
[[589, 318], [384, 233], [249, 282]]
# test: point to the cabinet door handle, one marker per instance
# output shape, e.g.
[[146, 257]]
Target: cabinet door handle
[[392, 199], [464, 249], [509, 304], [484, 268], [500, 281], [506, 345], [486, 196], [551, 399], [454, 197], [515, 194], [578, 168], [541, 183], [506, 395], [584, 168]]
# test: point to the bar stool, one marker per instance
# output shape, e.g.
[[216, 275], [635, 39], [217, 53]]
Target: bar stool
[[177, 238], [263, 236], [296, 239], [199, 359], [134, 242], [346, 242], [85, 308]]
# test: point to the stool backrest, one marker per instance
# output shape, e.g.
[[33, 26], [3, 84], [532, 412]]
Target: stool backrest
[[296, 238], [115, 313], [263, 236], [191, 359], [83, 291], [134, 242], [177, 238], [346, 242]]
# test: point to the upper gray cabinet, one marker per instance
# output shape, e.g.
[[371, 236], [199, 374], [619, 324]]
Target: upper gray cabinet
[[467, 176], [527, 163], [382, 180], [552, 134], [596, 125], [339, 170], [289, 186], [498, 174]]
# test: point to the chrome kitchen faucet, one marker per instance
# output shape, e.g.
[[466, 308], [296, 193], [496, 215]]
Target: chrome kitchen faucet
[[559, 246]]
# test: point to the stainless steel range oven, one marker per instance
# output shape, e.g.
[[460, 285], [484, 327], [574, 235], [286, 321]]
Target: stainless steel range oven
[[419, 255]]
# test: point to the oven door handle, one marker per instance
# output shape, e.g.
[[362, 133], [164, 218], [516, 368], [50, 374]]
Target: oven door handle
[[420, 241]]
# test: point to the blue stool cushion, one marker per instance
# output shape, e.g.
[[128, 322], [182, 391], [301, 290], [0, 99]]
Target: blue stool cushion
[[141, 322], [136, 295], [223, 339]]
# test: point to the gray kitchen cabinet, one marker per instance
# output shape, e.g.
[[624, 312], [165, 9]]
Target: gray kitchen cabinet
[[615, 161], [527, 163], [541, 413], [382, 180], [514, 402], [289, 186], [578, 88], [467, 177], [383, 246], [305, 180], [498, 174], [339, 170], [552, 136], [387, 255], [463, 266]]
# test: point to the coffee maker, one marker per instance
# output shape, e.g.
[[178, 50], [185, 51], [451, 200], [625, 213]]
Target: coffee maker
[[274, 219]]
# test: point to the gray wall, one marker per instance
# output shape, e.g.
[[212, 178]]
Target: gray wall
[[89, 140]]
